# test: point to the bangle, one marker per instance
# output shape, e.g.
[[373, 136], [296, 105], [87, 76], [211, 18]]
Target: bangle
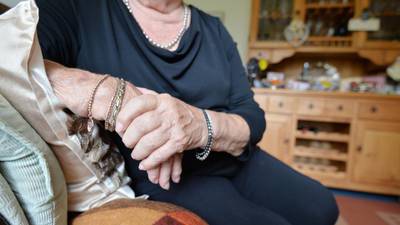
[[115, 106], [91, 100], [210, 139]]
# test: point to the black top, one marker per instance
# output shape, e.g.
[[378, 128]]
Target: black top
[[103, 37]]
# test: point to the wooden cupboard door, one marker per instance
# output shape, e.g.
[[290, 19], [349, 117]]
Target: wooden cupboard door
[[276, 139], [377, 157]]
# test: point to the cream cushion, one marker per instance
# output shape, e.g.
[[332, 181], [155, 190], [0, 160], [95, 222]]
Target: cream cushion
[[24, 83], [9, 206], [31, 170]]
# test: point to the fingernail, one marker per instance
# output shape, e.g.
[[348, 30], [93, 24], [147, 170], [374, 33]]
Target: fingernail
[[118, 127], [154, 180], [166, 186], [176, 179], [141, 167]]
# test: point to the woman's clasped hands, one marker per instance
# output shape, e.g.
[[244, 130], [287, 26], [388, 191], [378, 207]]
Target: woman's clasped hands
[[159, 128]]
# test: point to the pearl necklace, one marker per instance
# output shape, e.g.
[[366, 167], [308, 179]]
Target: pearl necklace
[[178, 37]]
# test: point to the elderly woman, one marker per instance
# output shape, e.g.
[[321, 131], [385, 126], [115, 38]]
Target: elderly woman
[[188, 125]]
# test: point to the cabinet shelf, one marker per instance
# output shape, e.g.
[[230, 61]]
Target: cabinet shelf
[[323, 136], [330, 38], [387, 14], [329, 6], [320, 153], [304, 169]]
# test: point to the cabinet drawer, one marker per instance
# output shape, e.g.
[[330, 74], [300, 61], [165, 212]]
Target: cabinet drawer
[[339, 108], [310, 106], [280, 104], [379, 110]]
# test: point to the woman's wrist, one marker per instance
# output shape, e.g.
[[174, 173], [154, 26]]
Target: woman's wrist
[[231, 133], [73, 88], [102, 99], [200, 131], [104, 96]]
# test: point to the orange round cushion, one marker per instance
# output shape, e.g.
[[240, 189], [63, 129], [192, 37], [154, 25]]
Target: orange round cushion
[[138, 212]]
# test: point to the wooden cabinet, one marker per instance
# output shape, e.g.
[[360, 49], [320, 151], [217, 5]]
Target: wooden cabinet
[[270, 18], [389, 14], [377, 155], [381, 47], [276, 141], [3, 8], [344, 140]]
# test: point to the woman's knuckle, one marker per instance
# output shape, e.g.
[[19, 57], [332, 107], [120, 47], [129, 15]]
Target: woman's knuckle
[[176, 146], [127, 141], [149, 145], [139, 128], [177, 171], [151, 118], [149, 100], [157, 158], [152, 174], [122, 118], [165, 95]]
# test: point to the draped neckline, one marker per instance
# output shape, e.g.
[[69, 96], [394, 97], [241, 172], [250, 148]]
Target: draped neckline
[[167, 63]]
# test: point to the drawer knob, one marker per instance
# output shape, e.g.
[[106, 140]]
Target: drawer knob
[[311, 106], [286, 141], [280, 104], [359, 148], [374, 109], [340, 108]]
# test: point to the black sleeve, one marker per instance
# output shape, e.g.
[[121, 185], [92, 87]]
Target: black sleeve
[[241, 96], [58, 31]]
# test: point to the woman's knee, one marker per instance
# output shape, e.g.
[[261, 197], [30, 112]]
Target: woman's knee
[[216, 200], [309, 201], [322, 208]]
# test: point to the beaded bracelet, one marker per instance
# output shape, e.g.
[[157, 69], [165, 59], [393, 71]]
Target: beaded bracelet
[[210, 140], [91, 100], [115, 106]]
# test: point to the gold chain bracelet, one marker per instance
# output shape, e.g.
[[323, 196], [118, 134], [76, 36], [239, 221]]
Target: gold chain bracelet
[[115, 106], [91, 100]]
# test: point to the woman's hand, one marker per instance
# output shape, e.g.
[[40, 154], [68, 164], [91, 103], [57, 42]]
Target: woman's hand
[[158, 126], [170, 169]]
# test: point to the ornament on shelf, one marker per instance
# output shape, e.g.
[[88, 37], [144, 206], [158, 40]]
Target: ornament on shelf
[[297, 32], [394, 70]]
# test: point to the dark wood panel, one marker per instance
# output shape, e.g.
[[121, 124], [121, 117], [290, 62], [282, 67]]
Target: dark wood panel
[[3, 8]]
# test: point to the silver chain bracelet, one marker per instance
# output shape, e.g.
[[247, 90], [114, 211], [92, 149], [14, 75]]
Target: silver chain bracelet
[[210, 139]]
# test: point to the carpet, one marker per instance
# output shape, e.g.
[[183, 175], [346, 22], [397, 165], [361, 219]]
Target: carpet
[[357, 211]]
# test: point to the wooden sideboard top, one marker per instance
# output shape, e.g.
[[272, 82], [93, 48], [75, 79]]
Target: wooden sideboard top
[[334, 94]]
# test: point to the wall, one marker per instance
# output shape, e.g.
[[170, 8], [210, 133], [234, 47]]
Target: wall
[[10, 2], [236, 15], [236, 18]]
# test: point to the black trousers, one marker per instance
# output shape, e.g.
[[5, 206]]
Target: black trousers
[[261, 191]]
